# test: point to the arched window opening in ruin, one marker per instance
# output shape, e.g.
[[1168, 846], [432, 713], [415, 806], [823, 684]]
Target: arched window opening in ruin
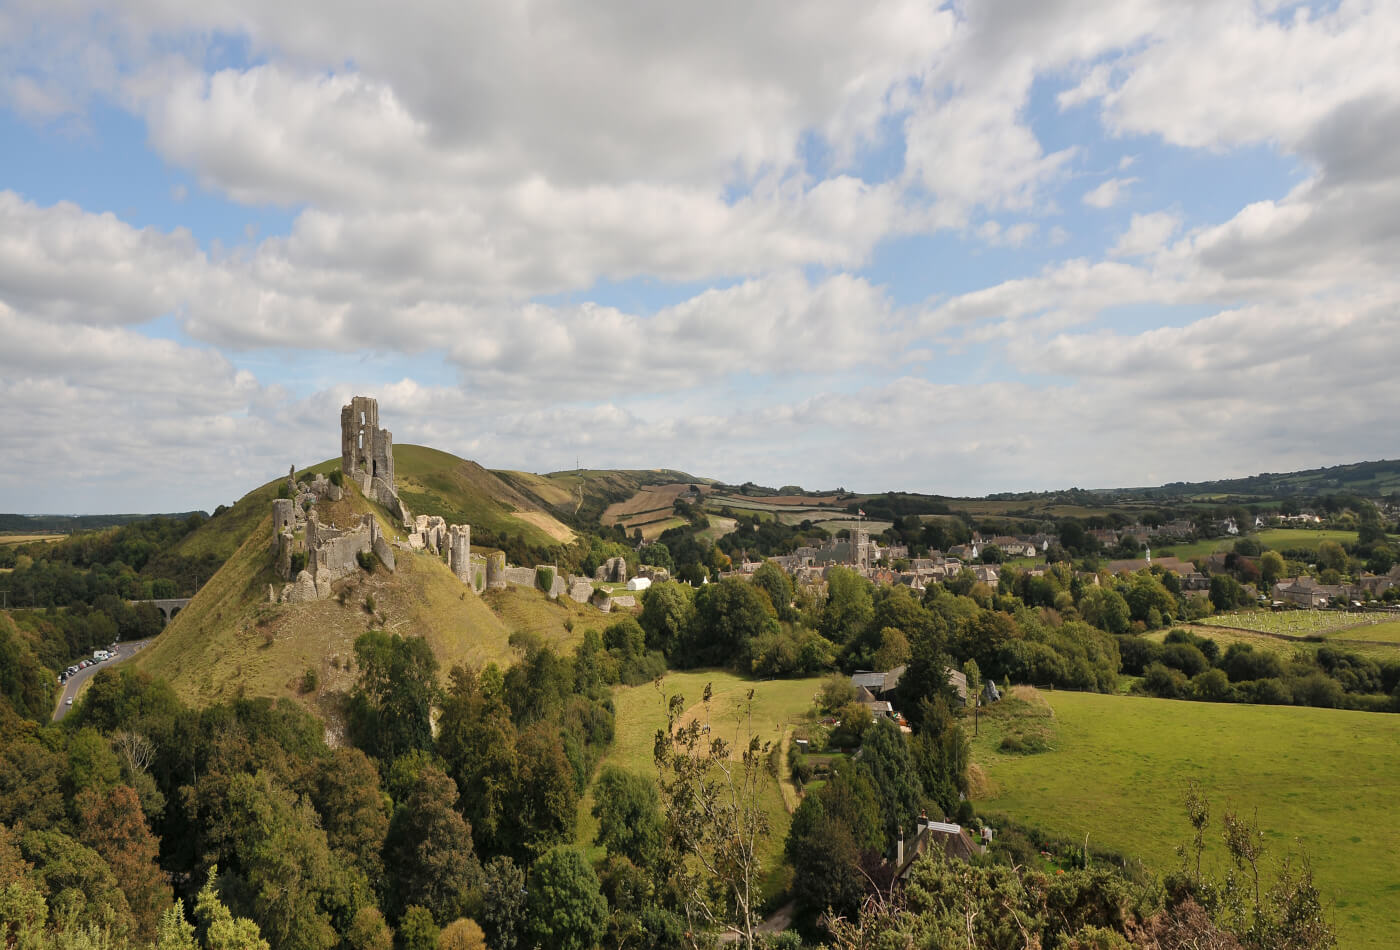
[[362, 418], [362, 440]]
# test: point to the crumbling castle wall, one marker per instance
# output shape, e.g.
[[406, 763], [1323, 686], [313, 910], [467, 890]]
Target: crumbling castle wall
[[496, 570], [284, 516], [612, 571], [459, 551]]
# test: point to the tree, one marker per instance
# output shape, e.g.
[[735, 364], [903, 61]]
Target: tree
[[886, 755], [728, 616], [223, 931], [428, 854], [894, 649], [390, 707], [566, 910], [1331, 555], [346, 792], [774, 581], [849, 605], [285, 873], [1271, 568], [974, 692], [629, 815], [667, 613], [114, 826], [368, 931], [1105, 609], [477, 740], [503, 903], [418, 930], [462, 934], [542, 811], [715, 822]]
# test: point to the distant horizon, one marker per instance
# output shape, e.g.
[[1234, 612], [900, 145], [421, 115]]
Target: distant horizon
[[806, 488]]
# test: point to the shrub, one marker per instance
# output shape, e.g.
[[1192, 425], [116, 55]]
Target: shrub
[[298, 563], [369, 603], [309, 680], [366, 560], [336, 478], [544, 578], [1163, 682]]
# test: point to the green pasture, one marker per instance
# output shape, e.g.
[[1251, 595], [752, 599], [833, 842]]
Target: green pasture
[[1321, 780], [1388, 632], [641, 711], [1277, 539], [1352, 641]]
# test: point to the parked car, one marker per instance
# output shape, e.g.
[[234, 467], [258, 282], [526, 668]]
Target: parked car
[[68, 701]]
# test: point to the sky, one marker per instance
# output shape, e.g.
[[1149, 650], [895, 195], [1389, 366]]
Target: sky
[[890, 245]]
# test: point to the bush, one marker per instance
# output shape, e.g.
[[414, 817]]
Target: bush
[[369, 603], [544, 578], [366, 560], [309, 680], [298, 563], [336, 477], [1163, 682]]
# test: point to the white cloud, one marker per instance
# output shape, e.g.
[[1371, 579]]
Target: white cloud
[[1146, 234], [1109, 193]]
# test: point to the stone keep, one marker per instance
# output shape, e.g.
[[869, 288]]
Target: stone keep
[[365, 449]]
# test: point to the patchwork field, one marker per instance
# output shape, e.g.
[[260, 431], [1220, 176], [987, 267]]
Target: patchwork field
[[30, 538], [1321, 779], [641, 711]]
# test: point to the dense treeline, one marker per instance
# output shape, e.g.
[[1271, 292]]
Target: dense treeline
[[136, 562], [401, 837], [1187, 666]]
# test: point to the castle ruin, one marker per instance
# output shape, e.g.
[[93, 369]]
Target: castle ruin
[[331, 553]]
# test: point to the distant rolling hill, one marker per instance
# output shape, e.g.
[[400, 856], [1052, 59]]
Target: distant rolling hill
[[1368, 479]]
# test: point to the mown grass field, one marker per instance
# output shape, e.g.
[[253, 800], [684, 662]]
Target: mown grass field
[[641, 711], [1326, 780]]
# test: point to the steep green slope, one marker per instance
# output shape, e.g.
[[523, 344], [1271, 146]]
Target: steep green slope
[[231, 641], [437, 483]]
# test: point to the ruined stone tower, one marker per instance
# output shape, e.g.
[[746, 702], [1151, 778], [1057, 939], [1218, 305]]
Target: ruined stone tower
[[366, 451]]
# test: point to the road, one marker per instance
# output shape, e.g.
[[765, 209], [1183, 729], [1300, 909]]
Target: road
[[75, 682]]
